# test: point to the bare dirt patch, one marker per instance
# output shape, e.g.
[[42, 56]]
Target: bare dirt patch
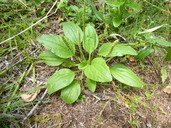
[[111, 106]]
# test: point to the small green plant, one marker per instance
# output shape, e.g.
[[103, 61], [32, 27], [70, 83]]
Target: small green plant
[[75, 13], [77, 54], [164, 73], [134, 122], [114, 13], [152, 44], [149, 95], [119, 10]]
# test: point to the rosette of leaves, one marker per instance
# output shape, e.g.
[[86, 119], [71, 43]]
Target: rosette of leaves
[[62, 51]]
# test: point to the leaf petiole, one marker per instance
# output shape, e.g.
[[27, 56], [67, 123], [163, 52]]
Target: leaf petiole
[[63, 38]]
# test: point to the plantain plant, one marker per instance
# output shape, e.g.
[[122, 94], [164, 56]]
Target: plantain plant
[[81, 57]]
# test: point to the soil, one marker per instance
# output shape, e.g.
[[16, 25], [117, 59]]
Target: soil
[[110, 106]]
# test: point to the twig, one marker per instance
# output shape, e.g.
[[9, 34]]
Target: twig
[[16, 116], [33, 109], [47, 15]]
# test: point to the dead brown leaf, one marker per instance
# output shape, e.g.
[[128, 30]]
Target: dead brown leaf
[[25, 89], [30, 97], [167, 89]]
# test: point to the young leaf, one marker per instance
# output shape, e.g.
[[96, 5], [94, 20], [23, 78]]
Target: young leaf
[[91, 85], [83, 65], [119, 50], [59, 80], [91, 39], [51, 59], [57, 45], [144, 52], [163, 74], [98, 71], [117, 21], [125, 75], [134, 6], [72, 31], [71, 93]]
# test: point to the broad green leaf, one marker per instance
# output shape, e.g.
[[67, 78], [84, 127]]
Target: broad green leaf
[[144, 52], [134, 6], [116, 3], [71, 93], [168, 55], [119, 50], [91, 85], [50, 58], [57, 46], [98, 71], [91, 39], [163, 74], [125, 75], [104, 49], [162, 42], [59, 80], [72, 31], [116, 21]]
